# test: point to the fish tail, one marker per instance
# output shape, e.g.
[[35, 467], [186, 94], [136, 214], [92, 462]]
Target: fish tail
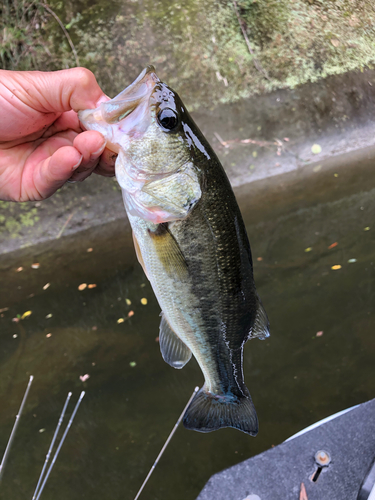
[[208, 412]]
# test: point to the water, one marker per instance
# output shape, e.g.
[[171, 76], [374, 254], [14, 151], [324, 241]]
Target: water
[[295, 377]]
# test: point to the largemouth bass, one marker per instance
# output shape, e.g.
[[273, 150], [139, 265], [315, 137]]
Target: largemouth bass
[[191, 242]]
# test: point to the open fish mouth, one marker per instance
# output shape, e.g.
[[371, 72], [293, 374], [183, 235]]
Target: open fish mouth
[[127, 114], [129, 99]]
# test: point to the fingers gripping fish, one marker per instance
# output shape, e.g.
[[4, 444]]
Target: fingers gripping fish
[[191, 242]]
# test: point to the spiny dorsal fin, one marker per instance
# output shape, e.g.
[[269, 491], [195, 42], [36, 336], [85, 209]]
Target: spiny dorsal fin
[[261, 327], [173, 350]]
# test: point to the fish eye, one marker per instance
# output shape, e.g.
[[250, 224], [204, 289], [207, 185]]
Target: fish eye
[[168, 119]]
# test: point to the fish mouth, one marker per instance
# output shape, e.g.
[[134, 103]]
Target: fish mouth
[[127, 114], [131, 98]]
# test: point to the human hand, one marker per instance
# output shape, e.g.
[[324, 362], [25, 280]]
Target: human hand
[[42, 144]]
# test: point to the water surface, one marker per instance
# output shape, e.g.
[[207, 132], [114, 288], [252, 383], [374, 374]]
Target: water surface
[[295, 377]]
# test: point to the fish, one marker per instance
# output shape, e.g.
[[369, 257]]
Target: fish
[[191, 241]]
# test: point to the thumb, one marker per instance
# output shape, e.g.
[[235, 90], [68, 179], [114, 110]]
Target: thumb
[[55, 91]]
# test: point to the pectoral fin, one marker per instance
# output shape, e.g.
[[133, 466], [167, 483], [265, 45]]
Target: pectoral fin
[[261, 326], [173, 350], [139, 255], [169, 253]]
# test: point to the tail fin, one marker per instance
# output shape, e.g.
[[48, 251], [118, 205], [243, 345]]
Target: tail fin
[[208, 413]]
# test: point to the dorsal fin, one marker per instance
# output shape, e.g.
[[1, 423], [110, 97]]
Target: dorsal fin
[[173, 350], [261, 326]]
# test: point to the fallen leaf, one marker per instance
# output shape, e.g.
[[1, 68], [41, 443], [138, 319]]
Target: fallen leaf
[[335, 175], [15, 320], [302, 493], [317, 168], [286, 139], [49, 335], [4, 309], [259, 259], [89, 250], [336, 267], [47, 285], [36, 265], [82, 286], [26, 314], [333, 245], [41, 430], [49, 316], [144, 301], [15, 335], [316, 149], [319, 334], [120, 320], [92, 285], [143, 285], [335, 42], [367, 228], [128, 302], [85, 377], [308, 249], [19, 269], [133, 364], [130, 314], [351, 261]]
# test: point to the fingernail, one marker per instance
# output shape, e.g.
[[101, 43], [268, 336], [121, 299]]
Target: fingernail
[[97, 153], [77, 164], [103, 98]]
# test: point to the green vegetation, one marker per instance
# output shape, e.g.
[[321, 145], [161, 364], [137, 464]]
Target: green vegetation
[[197, 45]]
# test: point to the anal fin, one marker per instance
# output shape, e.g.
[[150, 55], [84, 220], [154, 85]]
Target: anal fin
[[173, 350]]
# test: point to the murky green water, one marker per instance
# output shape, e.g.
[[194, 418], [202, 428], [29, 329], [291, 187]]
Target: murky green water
[[295, 377]]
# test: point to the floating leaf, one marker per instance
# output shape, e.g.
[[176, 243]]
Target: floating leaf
[[19, 269], [4, 309], [26, 314], [336, 267], [144, 301], [41, 430], [335, 175], [120, 320], [128, 302], [351, 261], [36, 265], [333, 245], [49, 316], [308, 249], [49, 335], [89, 250], [316, 149], [317, 168], [130, 314], [85, 377], [259, 259], [133, 364], [92, 285], [47, 285], [319, 334], [15, 335], [366, 228], [82, 286], [143, 285]]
